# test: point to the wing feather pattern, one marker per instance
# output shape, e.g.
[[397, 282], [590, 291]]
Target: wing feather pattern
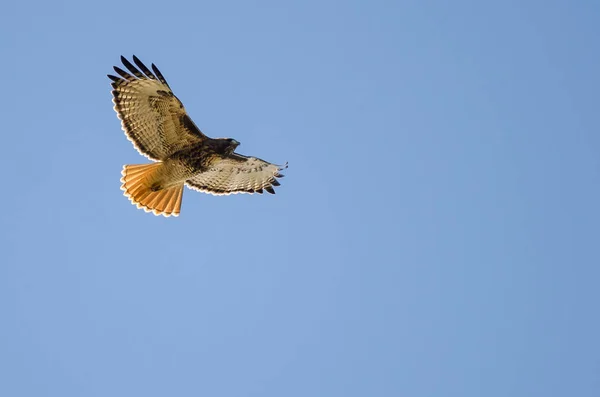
[[238, 174], [153, 118]]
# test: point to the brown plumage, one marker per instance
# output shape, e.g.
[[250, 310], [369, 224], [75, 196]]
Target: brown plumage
[[156, 122]]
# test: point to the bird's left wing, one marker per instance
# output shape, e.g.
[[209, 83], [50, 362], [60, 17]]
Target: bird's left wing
[[237, 174], [152, 117]]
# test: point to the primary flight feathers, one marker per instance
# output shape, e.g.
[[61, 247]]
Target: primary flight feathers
[[156, 122]]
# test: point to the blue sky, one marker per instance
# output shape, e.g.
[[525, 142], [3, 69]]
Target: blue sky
[[436, 233]]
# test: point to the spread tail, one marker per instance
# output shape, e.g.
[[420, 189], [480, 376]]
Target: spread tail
[[140, 186]]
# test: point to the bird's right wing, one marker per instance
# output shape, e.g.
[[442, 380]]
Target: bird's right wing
[[152, 117]]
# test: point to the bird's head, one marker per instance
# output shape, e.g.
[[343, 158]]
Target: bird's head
[[232, 145]]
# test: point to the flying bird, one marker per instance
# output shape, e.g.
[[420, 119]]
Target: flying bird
[[157, 124]]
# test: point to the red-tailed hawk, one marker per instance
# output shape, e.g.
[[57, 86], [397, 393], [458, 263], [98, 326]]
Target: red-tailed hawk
[[155, 120]]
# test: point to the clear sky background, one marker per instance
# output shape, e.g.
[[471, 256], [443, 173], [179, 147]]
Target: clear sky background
[[437, 232]]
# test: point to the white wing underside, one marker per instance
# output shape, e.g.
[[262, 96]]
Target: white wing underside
[[153, 118], [233, 175]]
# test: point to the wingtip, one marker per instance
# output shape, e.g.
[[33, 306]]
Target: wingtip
[[281, 168]]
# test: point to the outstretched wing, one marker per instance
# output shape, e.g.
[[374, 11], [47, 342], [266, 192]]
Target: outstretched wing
[[237, 174], [152, 117]]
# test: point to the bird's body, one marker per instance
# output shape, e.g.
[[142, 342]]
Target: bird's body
[[155, 120], [187, 162]]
